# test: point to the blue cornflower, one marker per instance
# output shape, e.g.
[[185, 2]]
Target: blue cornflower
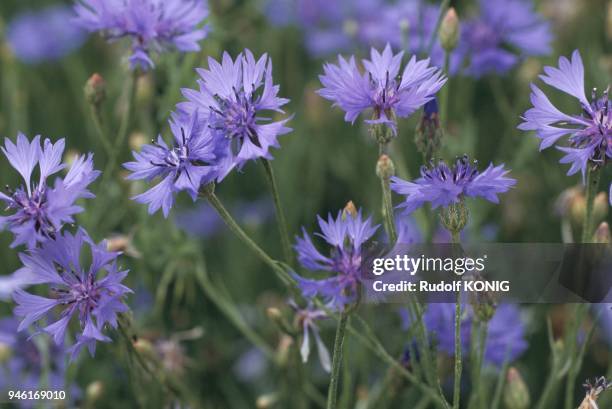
[[186, 165], [93, 291], [503, 25], [307, 318], [346, 235], [505, 331], [25, 368], [44, 35], [590, 132], [232, 97], [152, 25], [442, 185], [379, 88], [39, 210]]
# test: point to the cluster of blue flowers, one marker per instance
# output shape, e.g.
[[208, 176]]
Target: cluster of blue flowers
[[492, 41], [236, 116]]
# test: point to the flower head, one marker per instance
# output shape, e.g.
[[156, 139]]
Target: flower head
[[92, 292], [185, 165], [502, 24], [442, 185], [39, 210], [26, 362], [306, 318], [152, 25], [505, 334], [379, 88], [44, 35], [232, 97], [346, 235], [590, 131]]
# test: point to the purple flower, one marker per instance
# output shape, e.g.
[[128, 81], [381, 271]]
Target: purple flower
[[346, 235], [307, 318], [152, 25], [186, 165], [505, 334], [590, 131], [39, 210], [379, 88], [26, 364], [203, 221], [500, 25], [44, 35], [93, 292], [232, 98], [442, 185]]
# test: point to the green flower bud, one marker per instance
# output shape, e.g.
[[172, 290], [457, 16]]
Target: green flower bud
[[449, 30], [5, 352], [94, 391], [516, 393], [454, 217]]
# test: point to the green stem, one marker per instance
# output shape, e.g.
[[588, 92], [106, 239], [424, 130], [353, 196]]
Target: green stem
[[592, 184], [97, 122], [387, 200], [132, 83], [458, 363], [208, 193], [231, 312], [157, 373], [444, 93], [332, 392], [458, 359], [280, 214]]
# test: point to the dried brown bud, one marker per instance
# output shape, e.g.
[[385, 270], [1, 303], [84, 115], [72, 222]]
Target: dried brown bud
[[95, 89], [350, 209]]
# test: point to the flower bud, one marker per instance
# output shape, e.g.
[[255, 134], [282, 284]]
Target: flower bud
[[602, 234], [454, 217], [350, 27], [404, 25], [449, 30], [95, 89], [145, 348], [600, 206], [385, 167], [350, 209], [94, 391], [5, 352], [516, 393], [428, 135], [137, 140], [266, 401]]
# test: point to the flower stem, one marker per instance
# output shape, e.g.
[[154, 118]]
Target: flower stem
[[592, 183], [132, 82], [280, 214], [445, 93], [332, 392], [97, 122], [231, 312], [208, 193], [458, 363], [387, 198], [458, 358]]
